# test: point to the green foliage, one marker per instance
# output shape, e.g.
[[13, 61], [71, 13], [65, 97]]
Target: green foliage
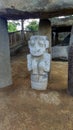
[[12, 27], [33, 26]]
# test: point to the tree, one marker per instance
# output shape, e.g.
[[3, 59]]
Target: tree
[[33, 26], [12, 27]]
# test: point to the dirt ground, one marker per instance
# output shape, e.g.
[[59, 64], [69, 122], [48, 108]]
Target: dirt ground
[[22, 108]]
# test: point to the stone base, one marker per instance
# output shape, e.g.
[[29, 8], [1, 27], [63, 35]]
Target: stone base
[[39, 85], [39, 82]]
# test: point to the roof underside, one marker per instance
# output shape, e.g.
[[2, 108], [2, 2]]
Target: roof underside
[[24, 9], [17, 14]]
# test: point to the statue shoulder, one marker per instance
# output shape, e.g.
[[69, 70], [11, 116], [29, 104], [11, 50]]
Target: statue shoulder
[[47, 56]]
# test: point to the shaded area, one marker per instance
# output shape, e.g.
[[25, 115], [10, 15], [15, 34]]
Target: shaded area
[[14, 14]]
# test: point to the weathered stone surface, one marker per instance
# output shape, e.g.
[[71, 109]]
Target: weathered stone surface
[[51, 7], [5, 71], [38, 62], [58, 22], [70, 65], [39, 5], [60, 52]]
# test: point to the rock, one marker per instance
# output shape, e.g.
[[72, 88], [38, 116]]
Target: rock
[[46, 8], [5, 68], [59, 22], [60, 52]]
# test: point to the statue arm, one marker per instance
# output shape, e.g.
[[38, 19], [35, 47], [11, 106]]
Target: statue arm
[[47, 62]]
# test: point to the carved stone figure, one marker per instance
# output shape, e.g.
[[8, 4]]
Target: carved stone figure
[[38, 61]]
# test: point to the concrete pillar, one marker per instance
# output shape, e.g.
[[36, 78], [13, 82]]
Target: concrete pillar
[[45, 29], [22, 31], [70, 65], [5, 70]]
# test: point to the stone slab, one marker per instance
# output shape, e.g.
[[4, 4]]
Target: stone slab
[[5, 69]]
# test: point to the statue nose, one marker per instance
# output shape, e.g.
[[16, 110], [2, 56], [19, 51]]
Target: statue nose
[[36, 46]]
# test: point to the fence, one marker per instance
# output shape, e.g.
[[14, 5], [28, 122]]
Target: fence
[[19, 38]]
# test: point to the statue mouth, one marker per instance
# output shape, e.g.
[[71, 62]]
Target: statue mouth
[[37, 51]]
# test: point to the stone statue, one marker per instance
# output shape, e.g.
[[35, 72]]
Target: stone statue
[[38, 61]]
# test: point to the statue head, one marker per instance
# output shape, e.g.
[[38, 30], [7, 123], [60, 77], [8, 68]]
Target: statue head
[[38, 45]]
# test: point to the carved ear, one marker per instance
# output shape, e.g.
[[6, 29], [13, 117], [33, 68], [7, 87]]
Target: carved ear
[[47, 44]]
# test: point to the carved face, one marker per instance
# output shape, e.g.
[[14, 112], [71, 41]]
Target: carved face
[[37, 46]]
